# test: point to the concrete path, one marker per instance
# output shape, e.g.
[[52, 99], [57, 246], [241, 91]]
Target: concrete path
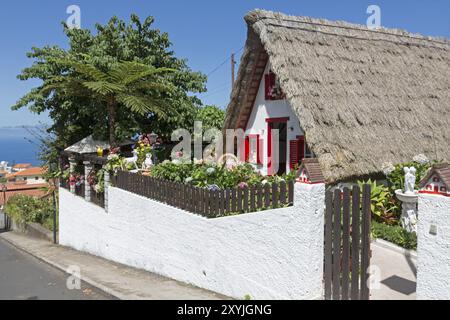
[[120, 281], [397, 274]]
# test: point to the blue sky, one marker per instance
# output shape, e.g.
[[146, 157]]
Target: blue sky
[[205, 32]]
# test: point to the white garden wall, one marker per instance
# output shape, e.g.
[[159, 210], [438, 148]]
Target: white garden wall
[[433, 250], [276, 254]]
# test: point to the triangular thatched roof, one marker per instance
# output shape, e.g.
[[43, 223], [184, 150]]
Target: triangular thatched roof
[[90, 145], [363, 97]]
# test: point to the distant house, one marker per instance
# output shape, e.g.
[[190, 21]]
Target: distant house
[[30, 176], [353, 98], [21, 166], [12, 189]]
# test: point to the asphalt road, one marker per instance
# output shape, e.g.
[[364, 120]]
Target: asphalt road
[[23, 277]]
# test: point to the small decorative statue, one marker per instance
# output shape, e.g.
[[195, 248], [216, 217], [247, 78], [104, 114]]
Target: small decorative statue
[[148, 163], [410, 179], [133, 160]]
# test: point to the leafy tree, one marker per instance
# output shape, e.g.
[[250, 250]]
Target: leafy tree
[[136, 86], [211, 117], [76, 115]]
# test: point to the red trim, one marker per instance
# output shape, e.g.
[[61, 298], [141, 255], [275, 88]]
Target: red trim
[[270, 122], [285, 119], [294, 152], [260, 150], [247, 148], [307, 182], [437, 193]]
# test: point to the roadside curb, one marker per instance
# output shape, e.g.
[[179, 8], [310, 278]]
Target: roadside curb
[[393, 247], [115, 280], [108, 291]]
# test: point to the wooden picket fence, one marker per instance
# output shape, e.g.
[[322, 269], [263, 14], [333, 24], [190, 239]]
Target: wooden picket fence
[[347, 244], [204, 202]]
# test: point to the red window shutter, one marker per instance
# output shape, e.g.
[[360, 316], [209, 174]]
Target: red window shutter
[[260, 143], [294, 153], [272, 80], [267, 87], [301, 148], [247, 148]]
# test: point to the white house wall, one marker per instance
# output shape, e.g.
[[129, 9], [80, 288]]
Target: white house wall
[[433, 248], [275, 254], [264, 109]]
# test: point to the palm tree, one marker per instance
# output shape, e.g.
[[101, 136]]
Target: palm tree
[[139, 87]]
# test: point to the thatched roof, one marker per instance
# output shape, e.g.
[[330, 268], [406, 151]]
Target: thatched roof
[[90, 145], [441, 170], [363, 97]]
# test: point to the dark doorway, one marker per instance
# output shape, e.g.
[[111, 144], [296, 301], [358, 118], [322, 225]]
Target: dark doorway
[[280, 125], [282, 146]]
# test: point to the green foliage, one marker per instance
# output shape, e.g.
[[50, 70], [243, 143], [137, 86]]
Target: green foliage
[[76, 114], [396, 177], [210, 174], [383, 204], [143, 149], [26, 209], [394, 234], [115, 163], [247, 297], [212, 117]]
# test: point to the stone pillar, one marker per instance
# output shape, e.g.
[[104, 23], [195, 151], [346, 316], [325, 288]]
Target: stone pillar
[[309, 203], [433, 251], [87, 187], [107, 179], [72, 165]]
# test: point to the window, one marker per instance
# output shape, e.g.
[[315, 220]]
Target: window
[[272, 87]]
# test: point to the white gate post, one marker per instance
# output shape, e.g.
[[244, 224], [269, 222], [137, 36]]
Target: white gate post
[[72, 165], [87, 186], [309, 202], [107, 179], [433, 248]]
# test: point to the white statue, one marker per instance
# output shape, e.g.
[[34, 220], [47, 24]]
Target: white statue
[[148, 163], [409, 221], [134, 159], [410, 179]]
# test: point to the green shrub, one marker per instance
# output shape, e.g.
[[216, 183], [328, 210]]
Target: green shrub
[[395, 234], [26, 209], [383, 204], [396, 177], [207, 174]]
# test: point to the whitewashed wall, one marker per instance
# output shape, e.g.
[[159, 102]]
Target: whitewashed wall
[[276, 254], [433, 251], [263, 109]]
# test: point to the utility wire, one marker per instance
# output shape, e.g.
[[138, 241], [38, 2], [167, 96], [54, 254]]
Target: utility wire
[[223, 63]]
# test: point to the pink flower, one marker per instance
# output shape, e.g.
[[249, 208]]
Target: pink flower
[[243, 185]]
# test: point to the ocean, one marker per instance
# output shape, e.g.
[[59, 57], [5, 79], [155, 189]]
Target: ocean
[[15, 146]]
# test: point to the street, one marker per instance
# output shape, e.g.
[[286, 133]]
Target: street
[[23, 277]]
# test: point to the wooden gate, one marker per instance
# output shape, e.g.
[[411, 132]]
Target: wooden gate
[[347, 244]]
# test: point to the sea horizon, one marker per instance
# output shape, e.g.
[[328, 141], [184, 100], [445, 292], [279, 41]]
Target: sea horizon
[[17, 145]]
